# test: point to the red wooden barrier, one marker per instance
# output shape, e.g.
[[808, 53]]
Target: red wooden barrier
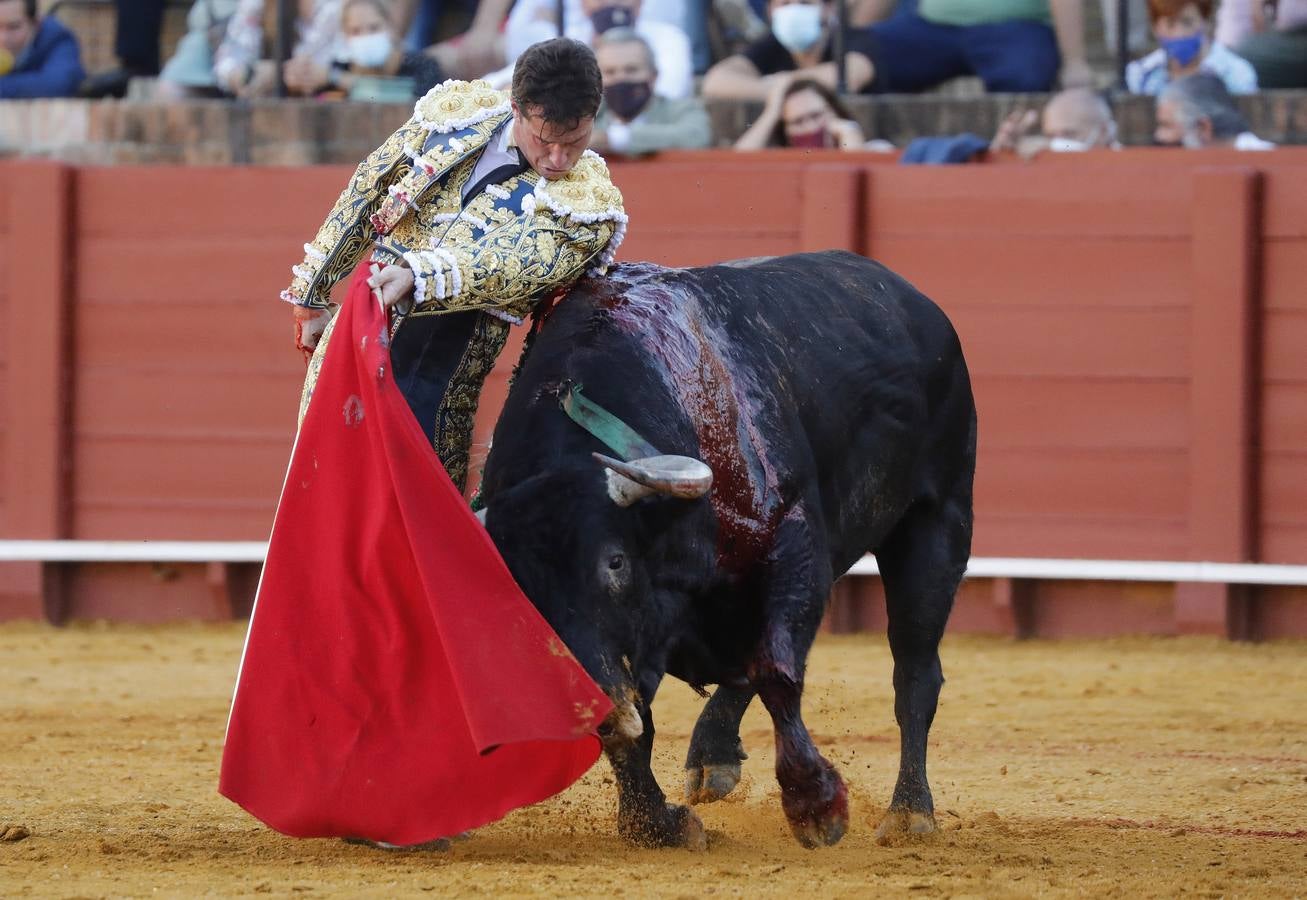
[[1133, 324]]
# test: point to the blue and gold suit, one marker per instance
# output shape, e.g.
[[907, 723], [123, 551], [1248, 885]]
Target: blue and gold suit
[[478, 265]]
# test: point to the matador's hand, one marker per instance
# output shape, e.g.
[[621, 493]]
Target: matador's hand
[[310, 322], [394, 283]]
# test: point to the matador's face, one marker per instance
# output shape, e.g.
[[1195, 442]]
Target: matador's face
[[550, 149]]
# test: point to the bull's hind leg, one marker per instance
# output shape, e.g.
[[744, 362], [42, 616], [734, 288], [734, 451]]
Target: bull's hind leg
[[712, 767], [921, 563], [644, 816], [813, 795]]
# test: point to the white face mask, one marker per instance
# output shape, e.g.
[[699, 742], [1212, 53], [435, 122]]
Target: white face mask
[[1067, 145], [797, 26], [369, 51]]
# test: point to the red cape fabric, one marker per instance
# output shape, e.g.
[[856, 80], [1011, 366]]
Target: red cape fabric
[[396, 683]]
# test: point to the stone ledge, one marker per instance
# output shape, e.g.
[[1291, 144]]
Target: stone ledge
[[290, 132]]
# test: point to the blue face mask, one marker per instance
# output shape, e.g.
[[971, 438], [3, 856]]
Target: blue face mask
[[1183, 50]]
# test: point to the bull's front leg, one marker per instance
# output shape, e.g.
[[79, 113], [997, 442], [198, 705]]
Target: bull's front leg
[[813, 795], [644, 817]]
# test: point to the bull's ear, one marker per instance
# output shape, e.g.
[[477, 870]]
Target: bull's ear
[[675, 476]]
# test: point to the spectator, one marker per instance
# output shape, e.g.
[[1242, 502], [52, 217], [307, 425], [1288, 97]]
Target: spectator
[[1183, 29], [635, 119], [371, 49], [532, 21], [803, 112], [39, 56], [189, 73], [419, 20], [1275, 45], [471, 54], [799, 45], [238, 68], [1198, 112], [1011, 45], [1074, 120], [137, 28]]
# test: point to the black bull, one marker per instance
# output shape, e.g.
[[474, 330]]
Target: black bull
[[831, 401]]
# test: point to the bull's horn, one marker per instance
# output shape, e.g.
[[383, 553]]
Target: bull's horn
[[676, 476], [481, 515]]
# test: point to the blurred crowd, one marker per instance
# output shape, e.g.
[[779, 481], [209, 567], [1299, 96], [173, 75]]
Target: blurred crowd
[[661, 58]]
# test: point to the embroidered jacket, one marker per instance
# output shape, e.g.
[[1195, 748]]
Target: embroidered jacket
[[477, 267], [511, 244]]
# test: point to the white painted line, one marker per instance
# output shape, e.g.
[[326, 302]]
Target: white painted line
[[133, 551], [1120, 570], [981, 567]]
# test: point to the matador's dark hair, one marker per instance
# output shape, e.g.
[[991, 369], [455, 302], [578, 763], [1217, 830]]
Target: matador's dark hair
[[29, 9], [559, 80]]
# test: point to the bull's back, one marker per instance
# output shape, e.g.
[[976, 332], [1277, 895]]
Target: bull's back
[[869, 402]]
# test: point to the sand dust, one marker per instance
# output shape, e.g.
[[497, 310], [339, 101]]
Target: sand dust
[[1128, 768]]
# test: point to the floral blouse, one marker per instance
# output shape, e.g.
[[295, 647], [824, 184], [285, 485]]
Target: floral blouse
[[317, 37]]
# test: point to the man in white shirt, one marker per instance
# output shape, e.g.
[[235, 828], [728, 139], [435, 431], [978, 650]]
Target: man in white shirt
[[532, 21]]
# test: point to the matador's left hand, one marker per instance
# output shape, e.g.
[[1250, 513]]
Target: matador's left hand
[[310, 322]]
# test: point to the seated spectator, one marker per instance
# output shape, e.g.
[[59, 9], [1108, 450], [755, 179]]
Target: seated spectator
[[238, 66], [1183, 29], [1198, 112], [1275, 45], [1011, 45], [861, 12], [798, 45], [635, 119], [1074, 120], [419, 20], [371, 50], [532, 21], [189, 73], [39, 56], [803, 112], [472, 53], [138, 25]]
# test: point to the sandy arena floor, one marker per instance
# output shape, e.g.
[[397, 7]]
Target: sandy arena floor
[[1123, 768]]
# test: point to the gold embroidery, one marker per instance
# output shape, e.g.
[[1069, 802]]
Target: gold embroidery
[[453, 434], [315, 368]]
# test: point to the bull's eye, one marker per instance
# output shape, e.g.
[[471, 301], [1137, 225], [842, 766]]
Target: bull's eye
[[615, 562]]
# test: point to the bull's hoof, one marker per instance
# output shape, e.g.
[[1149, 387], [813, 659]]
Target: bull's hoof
[[674, 826], [900, 824], [820, 823], [709, 783]]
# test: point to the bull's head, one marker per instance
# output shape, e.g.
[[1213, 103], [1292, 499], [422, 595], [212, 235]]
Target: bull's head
[[586, 547]]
